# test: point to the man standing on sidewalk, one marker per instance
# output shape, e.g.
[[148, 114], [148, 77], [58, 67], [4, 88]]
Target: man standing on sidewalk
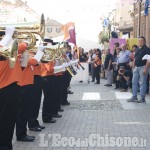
[[140, 71], [108, 68]]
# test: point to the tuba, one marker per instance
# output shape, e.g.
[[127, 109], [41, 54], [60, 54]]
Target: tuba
[[10, 53], [28, 31]]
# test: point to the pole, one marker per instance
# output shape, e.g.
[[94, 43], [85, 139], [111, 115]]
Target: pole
[[139, 17]]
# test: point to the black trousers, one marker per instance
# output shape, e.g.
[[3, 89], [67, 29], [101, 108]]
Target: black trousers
[[58, 93], [66, 83], [123, 83], [147, 90], [24, 108], [48, 109], [97, 73], [35, 103], [115, 73], [8, 113]]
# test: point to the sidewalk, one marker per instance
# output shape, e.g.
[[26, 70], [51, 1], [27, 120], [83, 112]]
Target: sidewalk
[[100, 110]]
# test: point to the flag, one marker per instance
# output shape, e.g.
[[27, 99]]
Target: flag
[[69, 32], [147, 2], [105, 22]]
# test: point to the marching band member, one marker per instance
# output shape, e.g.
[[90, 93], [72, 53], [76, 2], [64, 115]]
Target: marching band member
[[58, 90], [48, 71], [67, 78], [8, 92], [26, 85], [33, 122]]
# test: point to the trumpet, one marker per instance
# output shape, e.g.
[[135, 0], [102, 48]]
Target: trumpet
[[61, 51], [10, 53]]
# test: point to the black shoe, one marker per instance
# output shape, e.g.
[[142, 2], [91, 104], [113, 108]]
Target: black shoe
[[70, 92], [105, 84], [26, 139], [60, 110], [36, 129], [42, 127], [108, 85], [66, 103], [97, 83], [49, 121], [81, 81], [92, 81], [57, 116]]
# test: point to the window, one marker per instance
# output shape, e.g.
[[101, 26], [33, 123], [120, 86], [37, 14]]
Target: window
[[58, 30], [49, 29]]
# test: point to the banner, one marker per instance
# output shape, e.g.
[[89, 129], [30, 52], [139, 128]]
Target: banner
[[69, 32]]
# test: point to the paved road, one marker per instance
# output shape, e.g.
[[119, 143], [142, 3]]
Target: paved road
[[96, 114]]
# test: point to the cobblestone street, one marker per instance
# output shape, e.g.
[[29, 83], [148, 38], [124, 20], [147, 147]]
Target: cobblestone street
[[96, 109]]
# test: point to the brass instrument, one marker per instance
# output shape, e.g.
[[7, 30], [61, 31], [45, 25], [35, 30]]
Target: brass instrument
[[28, 32], [49, 54], [61, 51], [10, 53]]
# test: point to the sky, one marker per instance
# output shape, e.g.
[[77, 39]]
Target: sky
[[85, 13]]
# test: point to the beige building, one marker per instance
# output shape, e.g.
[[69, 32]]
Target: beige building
[[122, 19], [16, 11], [52, 28]]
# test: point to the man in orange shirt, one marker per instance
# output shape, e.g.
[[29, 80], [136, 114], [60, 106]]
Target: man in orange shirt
[[24, 107], [33, 122], [8, 92]]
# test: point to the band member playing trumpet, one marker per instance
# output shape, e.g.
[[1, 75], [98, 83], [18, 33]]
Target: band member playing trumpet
[[48, 70], [67, 77], [26, 86], [33, 122], [9, 94]]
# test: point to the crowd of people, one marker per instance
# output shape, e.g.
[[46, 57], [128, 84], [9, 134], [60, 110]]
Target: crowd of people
[[127, 69], [21, 86]]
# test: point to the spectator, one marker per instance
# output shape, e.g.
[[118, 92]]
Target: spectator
[[103, 60], [108, 68], [115, 67], [82, 55], [140, 71], [124, 57], [97, 67], [89, 61], [125, 79], [134, 48], [115, 46], [92, 64]]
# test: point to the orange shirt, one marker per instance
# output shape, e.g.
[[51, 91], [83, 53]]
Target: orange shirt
[[27, 75], [10, 75], [37, 70], [47, 69], [97, 61], [59, 74]]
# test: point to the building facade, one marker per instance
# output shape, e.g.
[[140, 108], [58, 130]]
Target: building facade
[[141, 22], [123, 20], [52, 28], [16, 11]]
